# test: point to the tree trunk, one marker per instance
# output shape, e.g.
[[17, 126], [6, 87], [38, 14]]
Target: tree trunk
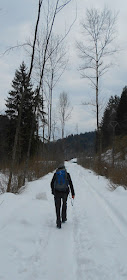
[[15, 142], [50, 110]]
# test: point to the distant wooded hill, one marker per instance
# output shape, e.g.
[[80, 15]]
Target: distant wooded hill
[[73, 145], [67, 148]]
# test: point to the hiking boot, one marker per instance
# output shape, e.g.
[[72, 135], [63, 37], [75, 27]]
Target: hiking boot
[[58, 223], [64, 220], [59, 226]]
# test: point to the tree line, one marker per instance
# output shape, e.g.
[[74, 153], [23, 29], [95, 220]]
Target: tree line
[[114, 121], [110, 159]]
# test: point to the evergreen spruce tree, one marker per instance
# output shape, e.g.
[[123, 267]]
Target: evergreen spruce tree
[[21, 83], [122, 114], [109, 120], [4, 122]]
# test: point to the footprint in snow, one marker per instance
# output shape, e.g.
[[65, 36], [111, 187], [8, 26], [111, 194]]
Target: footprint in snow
[[41, 196]]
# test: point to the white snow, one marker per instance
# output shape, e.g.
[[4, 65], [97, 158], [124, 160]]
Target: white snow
[[91, 245]]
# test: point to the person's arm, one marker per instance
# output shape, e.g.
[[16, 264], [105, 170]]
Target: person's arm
[[71, 185], [52, 183]]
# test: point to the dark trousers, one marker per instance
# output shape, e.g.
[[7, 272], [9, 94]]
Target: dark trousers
[[58, 197]]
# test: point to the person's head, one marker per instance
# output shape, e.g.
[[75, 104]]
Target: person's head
[[61, 166]]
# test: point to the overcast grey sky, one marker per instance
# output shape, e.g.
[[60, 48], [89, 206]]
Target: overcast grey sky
[[17, 21]]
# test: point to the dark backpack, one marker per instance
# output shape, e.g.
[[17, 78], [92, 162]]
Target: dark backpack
[[61, 182]]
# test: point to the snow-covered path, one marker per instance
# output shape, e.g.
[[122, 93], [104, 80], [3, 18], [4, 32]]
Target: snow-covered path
[[92, 245]]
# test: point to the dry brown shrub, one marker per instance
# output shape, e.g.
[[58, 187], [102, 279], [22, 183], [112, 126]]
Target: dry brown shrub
[[121, 146], [37, 168], [117, 174]]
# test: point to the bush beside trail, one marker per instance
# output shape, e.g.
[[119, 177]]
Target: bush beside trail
[[117, 174], [37, 169]]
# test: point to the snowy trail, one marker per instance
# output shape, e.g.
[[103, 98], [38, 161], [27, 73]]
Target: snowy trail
[[60, 254], [92, 245]]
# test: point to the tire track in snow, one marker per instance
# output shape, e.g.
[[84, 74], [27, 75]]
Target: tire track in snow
[[60, 260], [110, 210], [113, 213]]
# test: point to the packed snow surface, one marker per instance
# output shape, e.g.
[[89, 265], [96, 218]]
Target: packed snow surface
[[91, 245]]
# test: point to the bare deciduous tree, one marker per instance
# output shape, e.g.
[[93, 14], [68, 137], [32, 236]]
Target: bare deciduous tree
[[50, 61], [64, 110], [99, 30], [56, 65], [57, 7], [55, 128], [22, 100]]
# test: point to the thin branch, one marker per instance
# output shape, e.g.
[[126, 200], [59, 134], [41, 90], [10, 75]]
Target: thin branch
[[63, 38], [62, 6], [89, 103], [45, 52], [89, 78], [27, 44], [13, 48]]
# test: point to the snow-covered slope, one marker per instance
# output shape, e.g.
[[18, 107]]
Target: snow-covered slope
[[92, 245]]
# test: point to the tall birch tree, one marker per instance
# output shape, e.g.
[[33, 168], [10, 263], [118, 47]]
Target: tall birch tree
[[64, 111], [99, 32]]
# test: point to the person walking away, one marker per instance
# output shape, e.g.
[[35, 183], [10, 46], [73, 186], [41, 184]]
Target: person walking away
[[61, 184]]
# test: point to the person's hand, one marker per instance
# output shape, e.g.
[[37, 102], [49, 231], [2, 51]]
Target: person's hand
[[73, 196]]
